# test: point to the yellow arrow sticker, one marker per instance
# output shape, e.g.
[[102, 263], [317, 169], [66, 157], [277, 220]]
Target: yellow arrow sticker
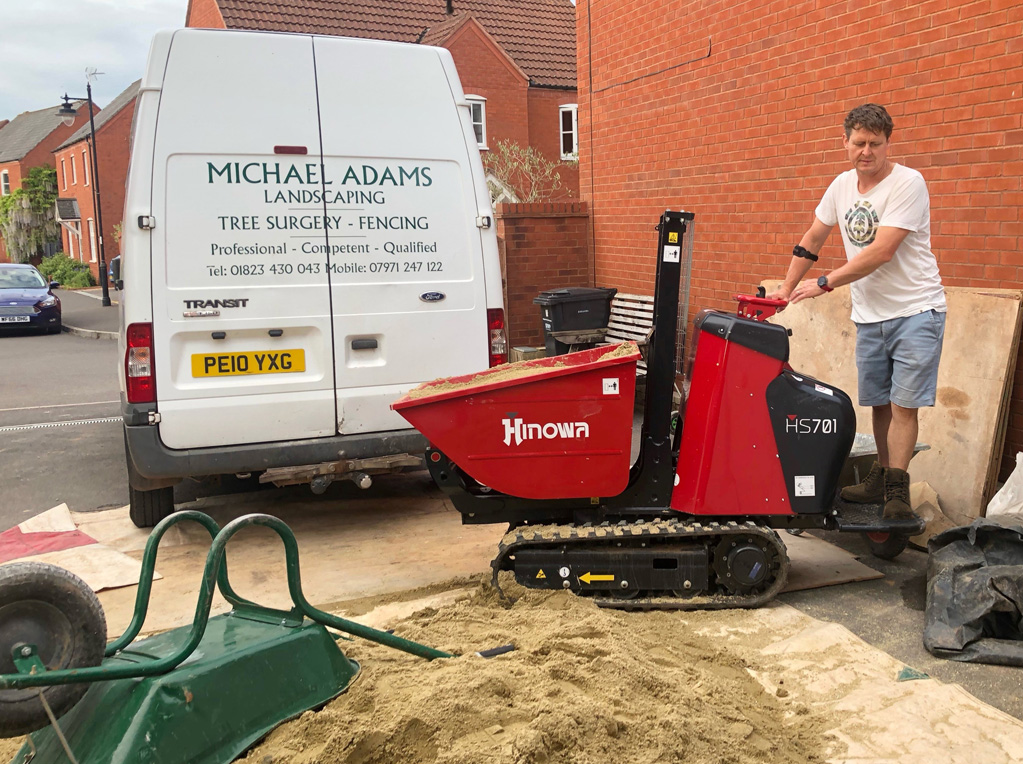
[[541, 575], [589, 578]]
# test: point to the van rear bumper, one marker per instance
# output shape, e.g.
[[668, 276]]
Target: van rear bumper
[[155, 462]]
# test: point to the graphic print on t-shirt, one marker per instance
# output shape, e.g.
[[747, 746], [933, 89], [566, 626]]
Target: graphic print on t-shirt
[[861, 223]]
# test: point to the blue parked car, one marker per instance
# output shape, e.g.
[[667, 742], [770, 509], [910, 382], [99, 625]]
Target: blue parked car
[[26, 300]]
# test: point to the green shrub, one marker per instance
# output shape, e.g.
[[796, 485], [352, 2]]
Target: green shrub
[[71, 274]]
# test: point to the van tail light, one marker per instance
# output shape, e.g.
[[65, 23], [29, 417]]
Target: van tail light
[[498, 339], [139, 372]]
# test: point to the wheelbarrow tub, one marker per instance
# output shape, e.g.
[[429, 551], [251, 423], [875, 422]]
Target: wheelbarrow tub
[[547, 428], [247, 676]]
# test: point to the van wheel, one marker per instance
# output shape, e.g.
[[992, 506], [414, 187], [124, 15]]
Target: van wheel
[[147, 508], [59, 614]]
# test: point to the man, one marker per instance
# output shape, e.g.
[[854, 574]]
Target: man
[[898, 302]]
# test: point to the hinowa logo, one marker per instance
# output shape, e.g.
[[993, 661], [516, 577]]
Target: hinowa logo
[[517, 430]]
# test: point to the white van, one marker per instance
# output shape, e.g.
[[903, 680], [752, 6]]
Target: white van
[[307, 235]]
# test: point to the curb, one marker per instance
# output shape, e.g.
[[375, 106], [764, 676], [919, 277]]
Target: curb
[[92, 334]]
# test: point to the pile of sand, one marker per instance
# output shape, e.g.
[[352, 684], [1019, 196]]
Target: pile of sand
[[583, 685]]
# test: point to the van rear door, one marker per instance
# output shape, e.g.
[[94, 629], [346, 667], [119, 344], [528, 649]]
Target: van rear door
[[405, 254], [241, 314]]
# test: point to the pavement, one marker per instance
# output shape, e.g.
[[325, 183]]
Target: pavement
[[83, 313]]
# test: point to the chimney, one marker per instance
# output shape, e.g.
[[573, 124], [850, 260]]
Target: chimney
[[451, 7]]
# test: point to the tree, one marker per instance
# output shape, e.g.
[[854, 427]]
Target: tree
[[28, 220], [524, 171]]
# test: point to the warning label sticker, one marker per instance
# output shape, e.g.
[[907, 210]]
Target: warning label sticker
[[806, 485], [672, 254]]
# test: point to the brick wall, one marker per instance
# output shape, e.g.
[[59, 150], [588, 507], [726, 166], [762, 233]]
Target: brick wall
[[69, 188], [738, 118], [114, 152], [515, 111], [204, 14], [545, 133], [13, 170], [545, 246], [113, 138], [486, 71]]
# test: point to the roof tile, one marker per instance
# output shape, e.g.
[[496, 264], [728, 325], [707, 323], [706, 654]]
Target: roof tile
[[517, 25], [26, 130]]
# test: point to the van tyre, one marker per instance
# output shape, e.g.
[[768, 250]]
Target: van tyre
[[147, 508], [59, 614]]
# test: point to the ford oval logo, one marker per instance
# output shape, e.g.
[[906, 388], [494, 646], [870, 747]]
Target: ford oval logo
[[432, 296]]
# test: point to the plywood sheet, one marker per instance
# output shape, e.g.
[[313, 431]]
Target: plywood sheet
[[966, 428]]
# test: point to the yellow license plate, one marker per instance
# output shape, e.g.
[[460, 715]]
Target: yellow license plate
[[253, 362]]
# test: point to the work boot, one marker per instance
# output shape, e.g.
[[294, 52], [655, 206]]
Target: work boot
[[870, 491], [896, 495]]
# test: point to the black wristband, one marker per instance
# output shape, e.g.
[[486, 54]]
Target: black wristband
[[798, 251]]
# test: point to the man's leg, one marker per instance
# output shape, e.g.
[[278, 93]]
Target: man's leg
[[902, 435], [914, 344], [882, 420], [875, 380]]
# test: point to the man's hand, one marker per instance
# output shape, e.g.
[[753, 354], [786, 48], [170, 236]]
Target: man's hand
[[781, 293], [806, 290]]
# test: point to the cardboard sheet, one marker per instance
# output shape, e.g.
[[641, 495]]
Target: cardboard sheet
[[54, 537], [376, 546]]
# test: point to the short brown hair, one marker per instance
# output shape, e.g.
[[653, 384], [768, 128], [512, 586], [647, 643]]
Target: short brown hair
[[870, 116]]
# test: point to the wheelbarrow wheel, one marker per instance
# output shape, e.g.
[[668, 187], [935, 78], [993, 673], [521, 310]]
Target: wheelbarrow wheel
[[57, 612]]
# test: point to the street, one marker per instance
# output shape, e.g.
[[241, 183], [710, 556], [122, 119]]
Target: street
[[60, 431]]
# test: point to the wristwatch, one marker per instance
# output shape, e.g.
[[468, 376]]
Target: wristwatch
[[822, 282]]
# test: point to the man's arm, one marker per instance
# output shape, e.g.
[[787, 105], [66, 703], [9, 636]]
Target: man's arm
[[869, 259], [812, 241]]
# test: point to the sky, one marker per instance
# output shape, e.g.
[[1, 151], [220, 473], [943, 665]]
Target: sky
[[48, 44]]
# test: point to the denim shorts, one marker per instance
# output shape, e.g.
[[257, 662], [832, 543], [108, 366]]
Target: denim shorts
[[897, 360]]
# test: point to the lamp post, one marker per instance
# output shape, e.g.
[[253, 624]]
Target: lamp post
[[67, 113]]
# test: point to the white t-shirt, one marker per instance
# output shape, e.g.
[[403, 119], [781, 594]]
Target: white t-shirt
[[907, 284]]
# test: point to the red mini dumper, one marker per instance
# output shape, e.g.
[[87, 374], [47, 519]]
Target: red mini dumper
[[544, 446]]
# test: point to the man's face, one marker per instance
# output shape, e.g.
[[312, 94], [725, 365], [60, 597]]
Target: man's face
[[867, 151]]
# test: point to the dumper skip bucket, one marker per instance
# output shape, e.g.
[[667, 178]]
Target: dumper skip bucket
[[549, 428]]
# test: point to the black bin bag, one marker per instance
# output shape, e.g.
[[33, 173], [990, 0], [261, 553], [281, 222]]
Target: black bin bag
[[975, 594]]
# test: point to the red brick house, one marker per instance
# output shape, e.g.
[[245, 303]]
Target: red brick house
[[28, 141], [73, 160], [516, 58], [736, 113]]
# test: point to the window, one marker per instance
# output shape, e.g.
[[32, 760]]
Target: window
[[478, 114], [71, 242], [74, 171], [92, 240], [5, 183], [569, 130], [85, 168], [63, 173]]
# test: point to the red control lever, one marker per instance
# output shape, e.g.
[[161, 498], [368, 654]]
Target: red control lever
[[758, 308]]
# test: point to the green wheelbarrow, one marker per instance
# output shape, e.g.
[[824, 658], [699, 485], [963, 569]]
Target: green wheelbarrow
[[194, 695]]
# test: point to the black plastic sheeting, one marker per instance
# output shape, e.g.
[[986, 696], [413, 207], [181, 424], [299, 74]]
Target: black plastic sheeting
[[975, 594]]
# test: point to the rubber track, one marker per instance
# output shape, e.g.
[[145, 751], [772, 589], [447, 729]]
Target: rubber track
[[662, 530]]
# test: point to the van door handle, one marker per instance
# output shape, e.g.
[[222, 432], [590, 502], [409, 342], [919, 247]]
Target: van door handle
[[275, 332], [364, 344], [219, 335]]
